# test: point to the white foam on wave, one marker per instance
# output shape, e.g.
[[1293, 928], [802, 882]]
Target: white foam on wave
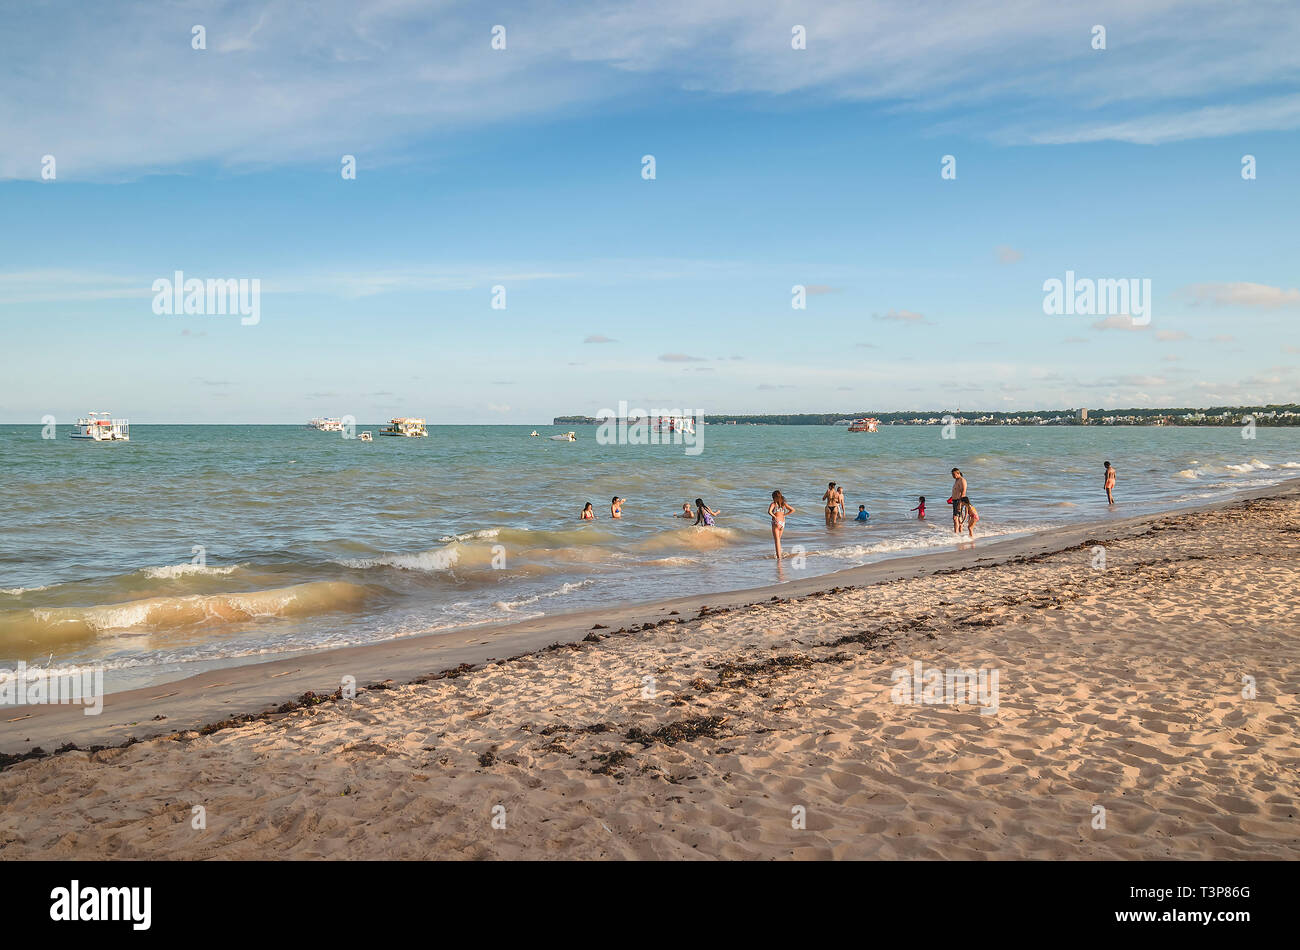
[[180, 570], [940, 538], [19, 591], [480, 535], [432, 561], [511, 605], [1254, 465], [1190, 473]]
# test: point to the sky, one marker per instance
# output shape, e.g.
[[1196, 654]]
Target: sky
[[127, 154]]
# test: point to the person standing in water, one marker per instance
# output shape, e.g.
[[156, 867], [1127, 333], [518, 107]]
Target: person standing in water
[[830, 498], [1110, 483], [703, 513], [958, 496], [587, 513], [777, 511], [616, 507]]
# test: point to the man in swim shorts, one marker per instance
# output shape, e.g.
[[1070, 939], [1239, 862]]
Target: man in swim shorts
[[958, 496]]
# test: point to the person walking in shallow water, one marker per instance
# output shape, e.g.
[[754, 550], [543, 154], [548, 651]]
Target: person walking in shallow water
[[777, 511], [1110, 483], [958, 496]]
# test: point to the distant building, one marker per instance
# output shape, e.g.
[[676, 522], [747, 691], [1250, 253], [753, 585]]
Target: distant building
[[1083, 415]]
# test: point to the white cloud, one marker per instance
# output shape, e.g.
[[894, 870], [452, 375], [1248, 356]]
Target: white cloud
[[1244, 294], [122, 93]]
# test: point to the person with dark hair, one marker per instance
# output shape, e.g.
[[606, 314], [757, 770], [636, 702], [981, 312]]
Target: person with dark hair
[[958, 496], [616, 507], [832, 501], [587, 513], [703, 513], [1110, 483], [778, 510]]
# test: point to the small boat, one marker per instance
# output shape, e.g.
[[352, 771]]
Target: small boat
[[564, 437], [407, 426], [98, 427], [533, 434], [869, 424], [366, 436]]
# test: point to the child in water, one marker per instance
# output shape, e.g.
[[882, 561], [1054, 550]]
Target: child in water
[[920, 509], [863, 514], [587, 513], [969, 516], [686, 511], [704, 514]]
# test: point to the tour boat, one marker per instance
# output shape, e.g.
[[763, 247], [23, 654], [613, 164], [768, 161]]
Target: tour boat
[[869, 424], [682, 424], [98, 427], [326, 425], [410, 427]]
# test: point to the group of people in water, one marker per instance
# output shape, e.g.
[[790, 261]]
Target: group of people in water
[[964, 515]]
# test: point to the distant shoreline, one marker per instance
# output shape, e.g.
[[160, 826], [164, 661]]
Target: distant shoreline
[[1278, 415]]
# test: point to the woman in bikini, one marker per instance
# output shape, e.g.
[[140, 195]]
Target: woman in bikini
[[778, 510], [588, 514]]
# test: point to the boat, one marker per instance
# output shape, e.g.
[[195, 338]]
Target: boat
[[326, 425], [533, 434], [869, 424], [98, 427], [366, 436], [682, 424], [407, 426], [564, 437]]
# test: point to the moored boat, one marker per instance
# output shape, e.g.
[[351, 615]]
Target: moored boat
[[98, 427], [408, 426]]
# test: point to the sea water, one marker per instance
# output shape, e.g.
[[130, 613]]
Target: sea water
[[192, 547]]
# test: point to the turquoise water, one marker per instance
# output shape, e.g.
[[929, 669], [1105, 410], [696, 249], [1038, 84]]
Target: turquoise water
[[310, 540]]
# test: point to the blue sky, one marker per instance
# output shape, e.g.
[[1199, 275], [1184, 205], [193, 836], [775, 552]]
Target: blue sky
[[522, 168]]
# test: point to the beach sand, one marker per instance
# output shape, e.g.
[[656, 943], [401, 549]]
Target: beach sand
[[712, 734]]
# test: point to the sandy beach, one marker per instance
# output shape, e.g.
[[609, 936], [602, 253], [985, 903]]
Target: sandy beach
[[758, 725]]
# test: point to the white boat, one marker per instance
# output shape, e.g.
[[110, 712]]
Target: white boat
[[869, 424], [98, 427], [326, 425], [533, 434], [366, 436], [407, 426], [682, 424], [564, 437]]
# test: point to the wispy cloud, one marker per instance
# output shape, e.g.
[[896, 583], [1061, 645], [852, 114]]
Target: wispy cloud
[[279, 74], [1244, 294], [901, 316]]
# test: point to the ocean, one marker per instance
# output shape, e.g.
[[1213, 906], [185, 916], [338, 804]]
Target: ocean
[[195, 547]]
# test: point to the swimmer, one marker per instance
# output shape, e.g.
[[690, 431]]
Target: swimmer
[[588, 514], [704, 514], [863, 514]]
